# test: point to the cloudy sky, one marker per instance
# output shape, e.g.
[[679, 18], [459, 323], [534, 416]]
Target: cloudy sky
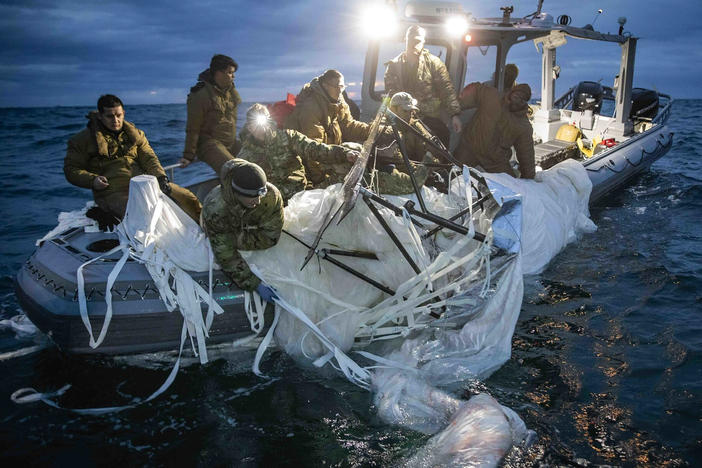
[[68, 52]]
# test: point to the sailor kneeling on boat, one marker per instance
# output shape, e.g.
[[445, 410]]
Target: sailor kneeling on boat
[[109, 152], [244, 212]]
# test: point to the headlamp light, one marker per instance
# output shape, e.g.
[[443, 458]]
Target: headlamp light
[[261, 120]]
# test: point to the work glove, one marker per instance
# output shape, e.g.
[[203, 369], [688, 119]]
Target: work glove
[[267, 293], [107, 221], [163, 183]]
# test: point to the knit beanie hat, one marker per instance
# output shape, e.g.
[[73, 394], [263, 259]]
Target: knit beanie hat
[[248, 180], [222, 62], [518, 97]]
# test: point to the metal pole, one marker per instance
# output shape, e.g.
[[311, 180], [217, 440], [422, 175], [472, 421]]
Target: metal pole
[[392, 235], [410, 171]]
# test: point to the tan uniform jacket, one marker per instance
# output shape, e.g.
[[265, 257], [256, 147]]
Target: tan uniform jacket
[[211, 116], [430, 85], [97, 151], [487, 140]]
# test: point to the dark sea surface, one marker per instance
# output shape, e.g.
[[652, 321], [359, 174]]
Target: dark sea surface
[[606, 360]]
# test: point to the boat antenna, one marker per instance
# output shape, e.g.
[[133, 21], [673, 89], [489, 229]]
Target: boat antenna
[[597, 15], [537, 12]]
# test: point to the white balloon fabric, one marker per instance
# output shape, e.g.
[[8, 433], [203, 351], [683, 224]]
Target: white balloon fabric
[[554, 208]]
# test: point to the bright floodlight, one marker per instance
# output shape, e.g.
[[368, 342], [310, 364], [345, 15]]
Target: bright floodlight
[[379, 21], [456, 26]]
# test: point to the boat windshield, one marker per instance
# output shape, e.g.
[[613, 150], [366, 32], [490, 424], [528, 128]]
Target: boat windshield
[[480, 64]]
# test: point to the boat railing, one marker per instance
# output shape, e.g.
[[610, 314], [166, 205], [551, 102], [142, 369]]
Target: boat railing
[[564, 101], [664, 113], [170, 170]]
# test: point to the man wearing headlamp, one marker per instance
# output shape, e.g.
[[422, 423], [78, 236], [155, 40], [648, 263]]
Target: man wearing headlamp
[[281, 153]]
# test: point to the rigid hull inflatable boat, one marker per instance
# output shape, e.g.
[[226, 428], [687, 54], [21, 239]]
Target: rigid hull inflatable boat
[[623, 128]]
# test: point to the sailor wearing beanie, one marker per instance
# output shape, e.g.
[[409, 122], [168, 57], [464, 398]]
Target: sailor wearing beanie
[[244, 212]]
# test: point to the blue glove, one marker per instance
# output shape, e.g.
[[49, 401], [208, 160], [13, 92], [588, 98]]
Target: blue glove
[[267, 293]]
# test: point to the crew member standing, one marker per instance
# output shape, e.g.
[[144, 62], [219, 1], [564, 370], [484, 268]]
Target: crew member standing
[[424, 76]]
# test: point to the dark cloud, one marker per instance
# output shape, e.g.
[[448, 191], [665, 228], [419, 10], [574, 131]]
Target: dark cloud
[[69, 52]]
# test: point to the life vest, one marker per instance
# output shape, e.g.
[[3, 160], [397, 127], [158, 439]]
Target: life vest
[[280, 110]]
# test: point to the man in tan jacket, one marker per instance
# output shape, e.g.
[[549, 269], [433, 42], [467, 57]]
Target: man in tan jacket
[[425, 77], [498, 125], [109, 152], [210, 133], [321, 113]]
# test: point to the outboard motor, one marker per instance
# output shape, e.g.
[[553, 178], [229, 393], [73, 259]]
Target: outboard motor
[[644, 103], [588, 96]]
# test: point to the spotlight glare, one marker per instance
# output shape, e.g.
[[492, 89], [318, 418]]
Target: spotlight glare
[[379, 21], [456, 26]]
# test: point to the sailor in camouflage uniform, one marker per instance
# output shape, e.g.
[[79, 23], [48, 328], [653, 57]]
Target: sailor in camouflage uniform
[[281, 153], [393, 178], [244, 212], [108, 153]]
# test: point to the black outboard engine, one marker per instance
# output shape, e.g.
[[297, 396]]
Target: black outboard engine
[[644, 103], [588, 95]]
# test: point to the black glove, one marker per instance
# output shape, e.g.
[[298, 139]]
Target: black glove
[[107, 221], [164, 184]]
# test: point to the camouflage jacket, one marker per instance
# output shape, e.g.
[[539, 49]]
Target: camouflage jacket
[[397, 181], [231, 227], [488, 138], [281, 155], [316, 116], [96, 151], [430, 85], [211, 114]]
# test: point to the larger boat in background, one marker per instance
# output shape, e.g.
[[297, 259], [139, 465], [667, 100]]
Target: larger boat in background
[[622, 144], [634, 135]]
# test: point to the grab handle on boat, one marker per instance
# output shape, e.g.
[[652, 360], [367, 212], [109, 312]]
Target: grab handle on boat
[[171, 168]]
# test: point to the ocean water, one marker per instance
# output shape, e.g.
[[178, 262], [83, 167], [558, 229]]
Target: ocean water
[[606, 360]]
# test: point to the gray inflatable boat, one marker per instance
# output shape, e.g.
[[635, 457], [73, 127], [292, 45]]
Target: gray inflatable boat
[[47, 290]]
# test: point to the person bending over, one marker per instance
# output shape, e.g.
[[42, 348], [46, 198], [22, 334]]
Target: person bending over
[[244, 212], [498, 125]]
